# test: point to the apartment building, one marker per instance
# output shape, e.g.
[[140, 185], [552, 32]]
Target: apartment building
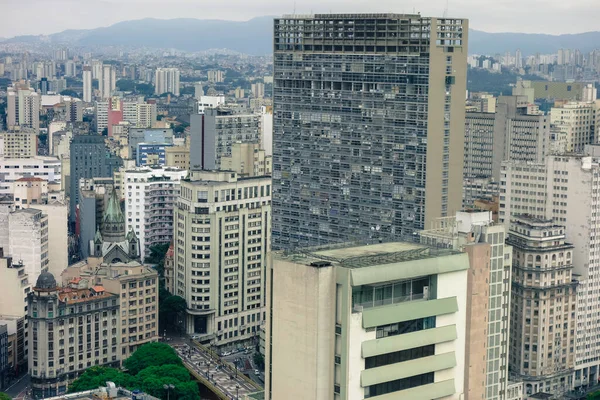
[[489, 290], [28, 240], [70, 330], [166, 81], [150, 198], [221, 238], [542, 345], [178, 156], [563, 190], [213, 133], [379, 321], [357, 145]]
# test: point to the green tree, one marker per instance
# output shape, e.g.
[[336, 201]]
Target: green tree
[[126, 85], [145, 88], [69, 92], [259, 360], [95, 377], [4, 396], [149, 355], [177, 372], [157, 256], [187, 90]]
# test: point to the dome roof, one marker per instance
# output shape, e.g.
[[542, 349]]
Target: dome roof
[[46, 281]]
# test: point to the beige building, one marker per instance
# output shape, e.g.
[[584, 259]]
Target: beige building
[[221, 240], [247, 159], [549, 90], [578, 122], [178, 156], [542, 351], [70, 330], [383, 321], [478, 235], [19, 143], [136, 286]]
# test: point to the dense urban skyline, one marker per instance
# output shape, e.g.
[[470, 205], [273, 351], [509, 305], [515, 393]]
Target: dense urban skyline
[[551, 17]]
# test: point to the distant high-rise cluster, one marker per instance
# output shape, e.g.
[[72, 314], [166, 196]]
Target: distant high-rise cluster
[[167, 81]]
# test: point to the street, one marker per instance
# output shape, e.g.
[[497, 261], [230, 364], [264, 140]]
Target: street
[[224, 379], [18, 389]]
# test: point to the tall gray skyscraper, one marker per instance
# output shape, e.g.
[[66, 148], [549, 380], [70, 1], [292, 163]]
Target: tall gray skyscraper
[[368, 125]]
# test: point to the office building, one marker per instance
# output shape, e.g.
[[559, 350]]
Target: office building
[[115, 114], [562, 190], [136, 283], [46, 168], [89, 159], [590, 93], [150, 197], [23, 108], [377, 141], [149, 135], [489, 289], [70, 330], [94, 194], [166, 81], [28, 240], [385, 320], [4, 348], [542, 349], [139, 114], [578, 122], [21, 143], [87, 84], [572, 91], [214, 132], [247, 159], [221, 238], [209, 102], [70, 68]]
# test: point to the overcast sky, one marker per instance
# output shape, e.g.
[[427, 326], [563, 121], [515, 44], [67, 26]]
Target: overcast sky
[[20, 17]]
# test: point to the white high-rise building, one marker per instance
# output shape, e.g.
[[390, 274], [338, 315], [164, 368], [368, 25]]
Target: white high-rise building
[[577, 122], [97, 70], [101, 115], [167, 80], [222, 237], [87, 83], [46, 168], [28, 240], [108, 82], [70, 68], [150, 196], [565, 189]]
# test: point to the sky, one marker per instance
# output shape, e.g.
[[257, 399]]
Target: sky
[[24, 17]]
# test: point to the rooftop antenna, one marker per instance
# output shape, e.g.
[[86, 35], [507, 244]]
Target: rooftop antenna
[[294, 8], [446, 9]]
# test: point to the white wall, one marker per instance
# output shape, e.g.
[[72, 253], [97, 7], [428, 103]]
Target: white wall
[[356, 363]]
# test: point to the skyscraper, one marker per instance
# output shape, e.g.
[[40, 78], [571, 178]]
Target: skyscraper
[[23, 108], [368, 125], [107, 81], [167, 80], [87, 83]]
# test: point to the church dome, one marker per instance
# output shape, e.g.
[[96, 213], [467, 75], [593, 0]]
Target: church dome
[[46, 281]]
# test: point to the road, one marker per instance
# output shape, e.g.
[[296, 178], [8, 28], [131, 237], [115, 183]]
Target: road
[[18, 389], [222, 378], [246, 365]]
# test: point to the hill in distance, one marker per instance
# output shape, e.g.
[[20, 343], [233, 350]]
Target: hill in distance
[[255, 37]]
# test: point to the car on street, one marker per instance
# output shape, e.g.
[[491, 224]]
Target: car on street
[[257, 372]]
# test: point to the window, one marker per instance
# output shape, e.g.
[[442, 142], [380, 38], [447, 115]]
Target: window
[[399, 384], [399, 356]]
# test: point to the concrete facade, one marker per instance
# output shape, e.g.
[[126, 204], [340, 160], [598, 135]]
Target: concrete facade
[[28, 240], [345, 158], [368, 321], [46, 168]]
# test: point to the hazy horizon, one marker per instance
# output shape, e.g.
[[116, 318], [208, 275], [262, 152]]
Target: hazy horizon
[[535, 16]]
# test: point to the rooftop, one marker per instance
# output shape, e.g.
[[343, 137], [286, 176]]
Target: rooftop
[[351, 255]]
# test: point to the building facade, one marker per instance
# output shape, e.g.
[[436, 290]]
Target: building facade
[[150, 198], [13, 169], [167, 81], [378, 321], [213, 133], [542, 346], [19, 144], [366, 136], [70, 330], [221, 239], [28, 240]]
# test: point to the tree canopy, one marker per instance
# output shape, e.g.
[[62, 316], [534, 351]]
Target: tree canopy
[[150, 368], [69, 92], [4, 396], [151, 354]]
